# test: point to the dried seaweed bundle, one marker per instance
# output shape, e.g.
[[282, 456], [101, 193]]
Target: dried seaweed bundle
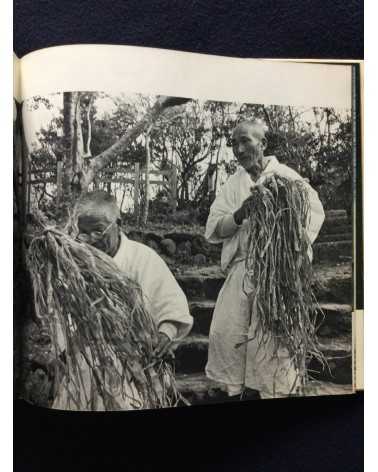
[[279, 271], [102, 335]]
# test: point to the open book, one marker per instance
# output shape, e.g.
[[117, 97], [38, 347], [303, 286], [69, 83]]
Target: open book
[[187, 228]]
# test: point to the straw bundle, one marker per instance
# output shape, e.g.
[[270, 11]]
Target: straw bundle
[[96, 317], [279, 270]]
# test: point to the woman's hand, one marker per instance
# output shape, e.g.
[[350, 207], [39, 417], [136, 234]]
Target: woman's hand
[[243, 212], [266, 177], [162, 346]]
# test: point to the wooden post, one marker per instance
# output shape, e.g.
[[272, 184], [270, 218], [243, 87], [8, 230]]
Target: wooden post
[[29, 188], [210, 182], [173, 182], [136, 191], [24, 182], [59, 183]]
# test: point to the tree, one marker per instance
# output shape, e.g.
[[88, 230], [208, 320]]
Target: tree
[[147, 168], [187, 141], [317, 142], [77, 177]]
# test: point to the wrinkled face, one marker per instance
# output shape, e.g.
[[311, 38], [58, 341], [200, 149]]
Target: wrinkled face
[[248, 146], [100, 230]]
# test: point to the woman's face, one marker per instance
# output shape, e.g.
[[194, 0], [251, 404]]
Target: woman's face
[[248, 147], [99, 230]]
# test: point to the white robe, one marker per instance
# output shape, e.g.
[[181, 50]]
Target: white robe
[[232, 323], [163, 296], [165, 301]]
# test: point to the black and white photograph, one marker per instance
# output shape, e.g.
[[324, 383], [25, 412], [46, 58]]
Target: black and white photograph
[[180, 251], [190, 220]]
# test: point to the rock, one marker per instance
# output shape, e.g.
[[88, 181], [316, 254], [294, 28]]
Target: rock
[[199, 259], [179, 238], [169, 246], [185, 248], [135, 236], [154, 237], [37, 388], [199, 244], [153, 245], [184, 217], [171, 263], [184, 253]]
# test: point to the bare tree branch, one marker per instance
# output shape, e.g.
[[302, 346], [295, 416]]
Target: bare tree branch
[[107, 156]]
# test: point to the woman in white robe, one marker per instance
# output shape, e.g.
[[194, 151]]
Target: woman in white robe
[[249, 365], [163, 297]]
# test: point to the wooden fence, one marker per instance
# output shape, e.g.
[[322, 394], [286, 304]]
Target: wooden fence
[[111, 175]]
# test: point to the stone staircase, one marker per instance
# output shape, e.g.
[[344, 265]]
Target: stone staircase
[[334, 291]]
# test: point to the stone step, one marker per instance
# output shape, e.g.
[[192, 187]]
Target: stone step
[[332, 238], [191, 356], [330, 229], [335, 214], [338, 352], [201, 285], [198, 389], [339, 251], [334, 319], [335, 221], [332, 284]]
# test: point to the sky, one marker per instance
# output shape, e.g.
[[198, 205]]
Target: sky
[[35, 119]]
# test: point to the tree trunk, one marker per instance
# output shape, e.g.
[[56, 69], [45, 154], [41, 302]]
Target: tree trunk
[[87, 149], [123, 197], [328, 114], [78, 142], [216, 167], [292, 120], [148, 161], [70, 107], [75, 179], [268, 120], [107, 156]]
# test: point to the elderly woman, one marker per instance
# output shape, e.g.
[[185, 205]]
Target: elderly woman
[[99, 225], [247, 371]]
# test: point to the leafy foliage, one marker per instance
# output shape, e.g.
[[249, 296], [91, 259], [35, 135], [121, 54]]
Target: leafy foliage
[[194, 137]]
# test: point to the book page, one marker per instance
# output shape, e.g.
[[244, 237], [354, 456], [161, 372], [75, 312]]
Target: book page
[[167, 167], [359, 349], [16, 78], [164, 72]]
